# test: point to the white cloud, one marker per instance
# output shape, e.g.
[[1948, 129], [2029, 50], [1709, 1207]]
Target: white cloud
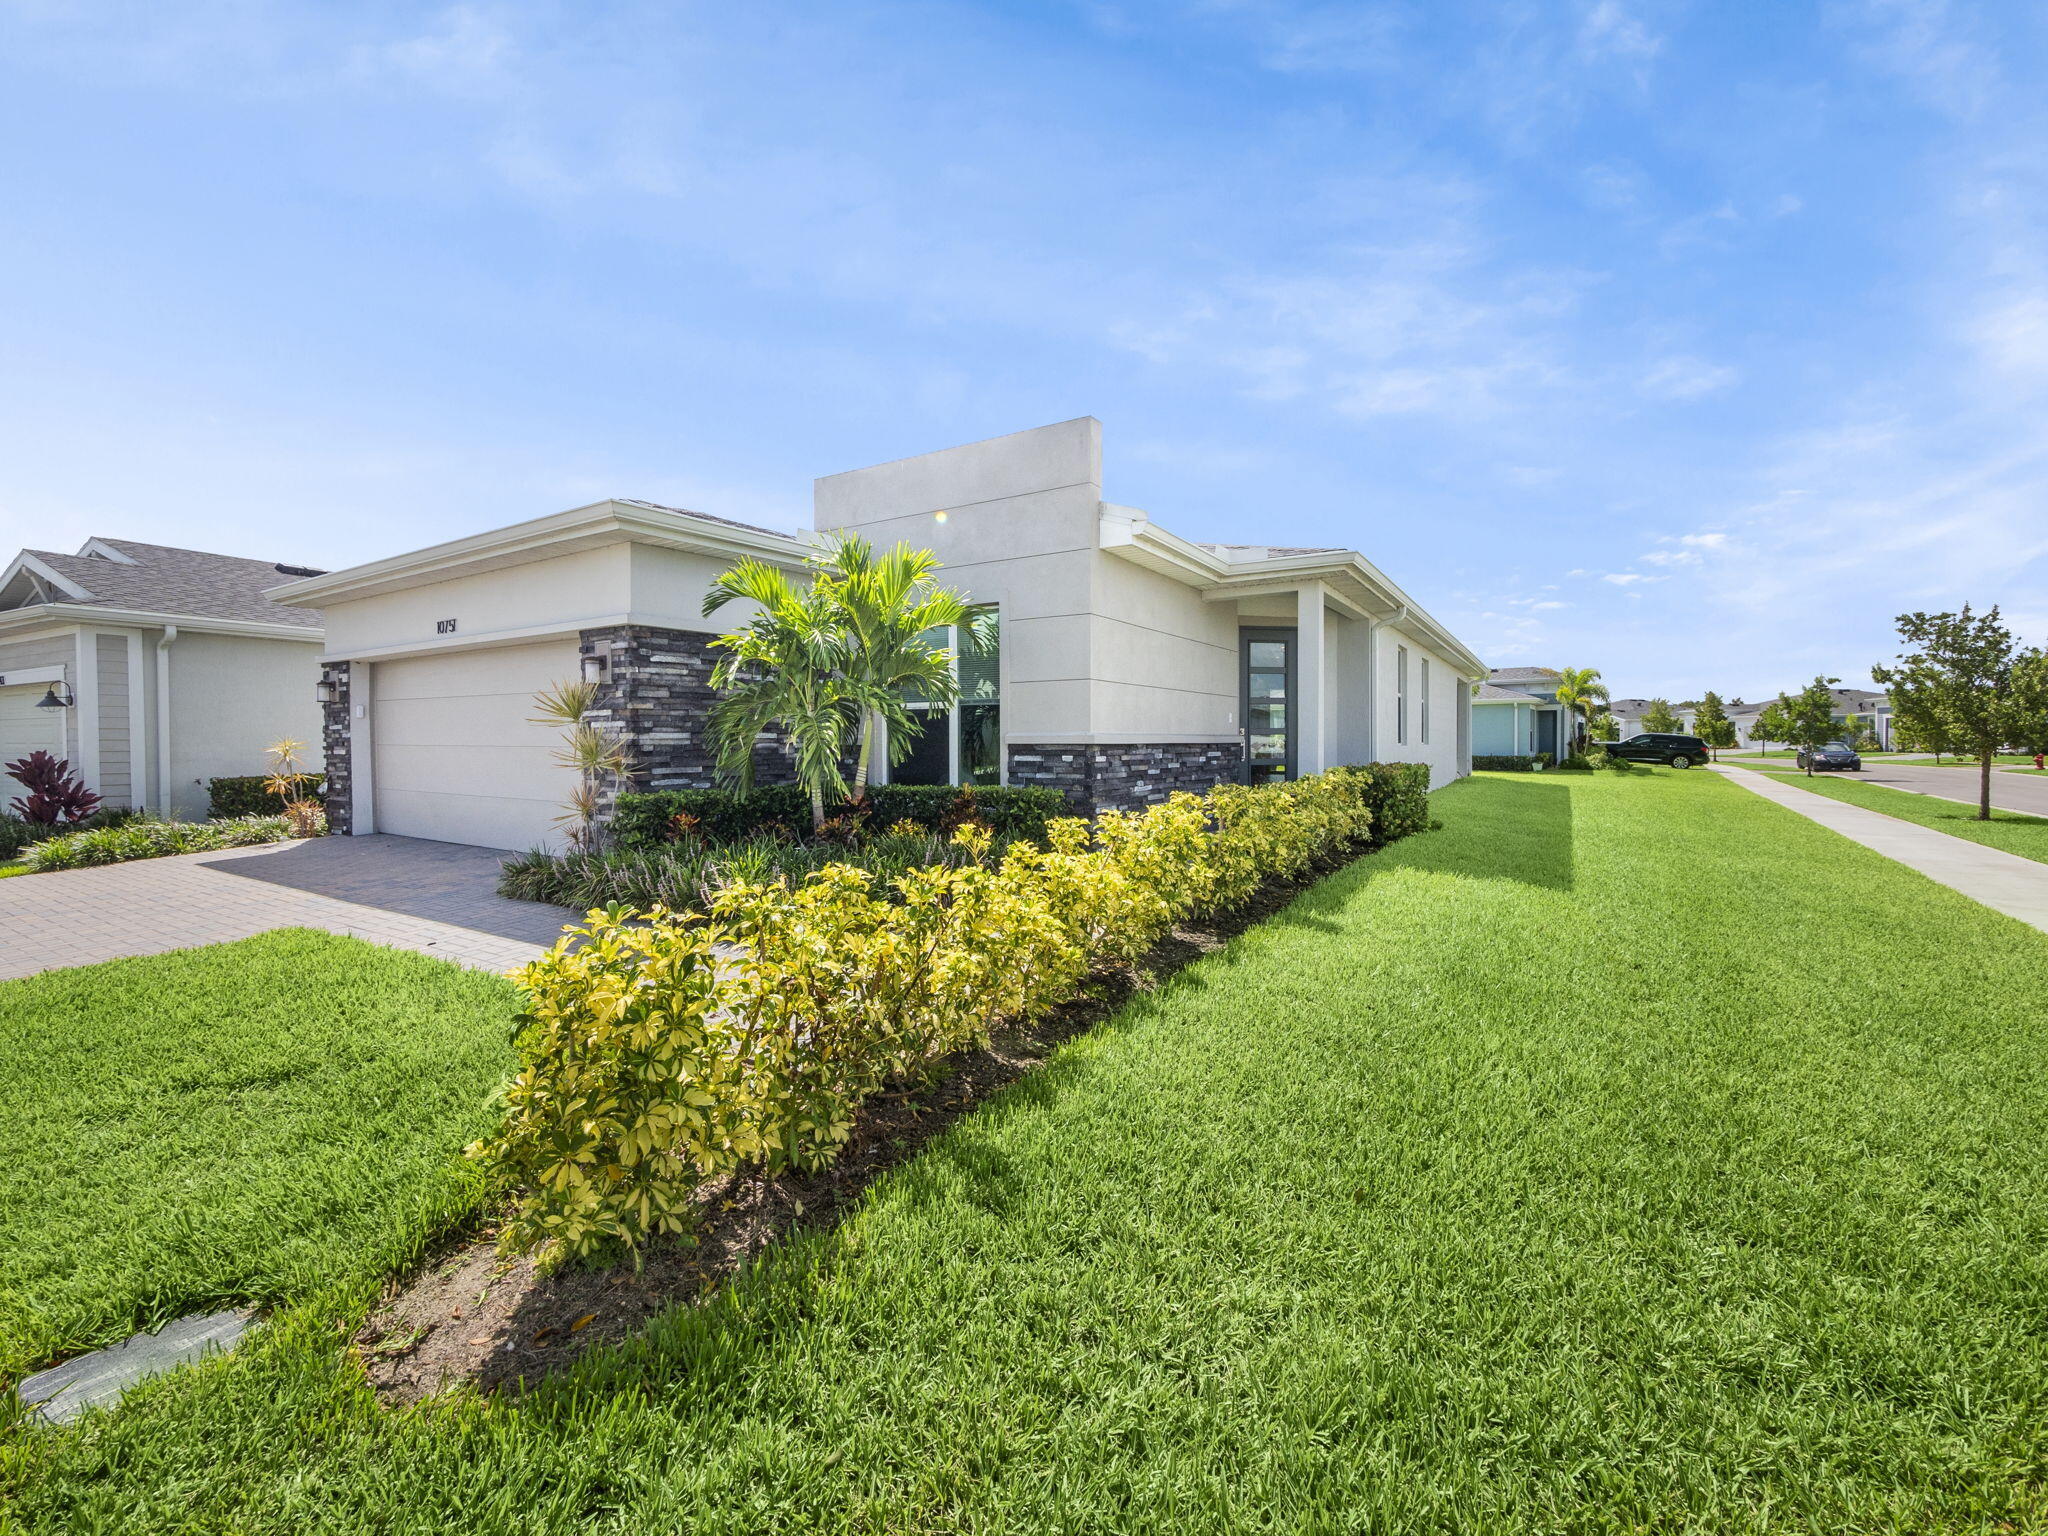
[[1611, 30], [1686, 378], [1628, 578]]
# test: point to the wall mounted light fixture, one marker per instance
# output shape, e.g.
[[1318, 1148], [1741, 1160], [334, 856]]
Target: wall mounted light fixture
[[53, 700]]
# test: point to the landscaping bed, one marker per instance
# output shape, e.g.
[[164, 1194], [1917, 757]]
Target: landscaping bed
[[146, 837], [473, 1317]]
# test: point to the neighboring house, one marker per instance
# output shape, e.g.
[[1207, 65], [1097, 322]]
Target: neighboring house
[[1871, 709], [1515, 713], [151, 670], [1628, 715], [1130, 662]]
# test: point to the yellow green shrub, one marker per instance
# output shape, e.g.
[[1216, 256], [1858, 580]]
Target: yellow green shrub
[[659, 1051]]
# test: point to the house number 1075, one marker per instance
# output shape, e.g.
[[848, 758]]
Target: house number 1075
[[444, 626]]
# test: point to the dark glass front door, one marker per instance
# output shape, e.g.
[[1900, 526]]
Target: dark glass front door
[[1268, 700]]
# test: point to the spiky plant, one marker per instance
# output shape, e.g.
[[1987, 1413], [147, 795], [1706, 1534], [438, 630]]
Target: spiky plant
[[597, 760]]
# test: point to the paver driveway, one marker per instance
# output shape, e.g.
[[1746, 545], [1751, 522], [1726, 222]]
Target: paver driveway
[[437, 898]]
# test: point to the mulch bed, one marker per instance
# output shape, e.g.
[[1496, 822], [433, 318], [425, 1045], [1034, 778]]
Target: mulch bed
[[474, 1318]]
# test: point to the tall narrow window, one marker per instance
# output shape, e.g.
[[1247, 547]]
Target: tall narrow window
[[962, 745], [1401, 694], [980, 724], [1425, 701]]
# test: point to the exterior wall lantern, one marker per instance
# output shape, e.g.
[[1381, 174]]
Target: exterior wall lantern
[[51, 699], [325, 690], [593, 669]]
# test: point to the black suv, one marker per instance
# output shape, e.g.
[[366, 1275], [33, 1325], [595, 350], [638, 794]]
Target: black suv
[[1678, 751]]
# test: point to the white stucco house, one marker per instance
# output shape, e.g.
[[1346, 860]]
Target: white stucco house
[[151, 669], [1131, 662]]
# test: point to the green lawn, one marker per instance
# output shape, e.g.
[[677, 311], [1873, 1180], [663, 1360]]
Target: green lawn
[[1631, 1155], [244, 1122], [2013, 831]]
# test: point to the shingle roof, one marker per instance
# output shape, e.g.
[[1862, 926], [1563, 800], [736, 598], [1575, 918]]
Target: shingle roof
[[1524, 674], [1488, 691], [181, 582]]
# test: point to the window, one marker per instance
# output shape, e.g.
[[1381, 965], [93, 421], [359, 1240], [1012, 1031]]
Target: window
[[1401, 694], [962, 745], [1425, 701]]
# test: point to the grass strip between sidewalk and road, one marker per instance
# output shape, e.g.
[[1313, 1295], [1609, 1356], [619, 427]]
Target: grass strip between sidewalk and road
[[2009, 831]]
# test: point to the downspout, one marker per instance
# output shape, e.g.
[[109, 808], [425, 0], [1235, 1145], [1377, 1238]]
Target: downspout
[[163, 719]]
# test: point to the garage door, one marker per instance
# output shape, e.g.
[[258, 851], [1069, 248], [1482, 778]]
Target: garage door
[[25, 729], [455, 758]]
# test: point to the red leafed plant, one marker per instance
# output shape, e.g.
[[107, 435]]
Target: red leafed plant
[[54, 795]]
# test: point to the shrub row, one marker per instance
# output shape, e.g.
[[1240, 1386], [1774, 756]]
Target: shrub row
[[683, 875], [1597, 757], [1508, 764], [246, 796], [147, 839], [648, 820], [658, 1051]]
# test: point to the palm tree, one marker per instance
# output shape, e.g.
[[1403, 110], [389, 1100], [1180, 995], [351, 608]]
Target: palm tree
[[1580, 691], [791, 667], [891, 611]]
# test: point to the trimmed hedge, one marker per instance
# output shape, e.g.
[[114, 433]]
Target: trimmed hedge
[[659, 1051], [1397, 794], [1507, 764], [728, 816], [246, 796]]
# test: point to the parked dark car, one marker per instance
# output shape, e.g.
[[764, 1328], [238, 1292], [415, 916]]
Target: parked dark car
[[1834, 755], [1655, 747]]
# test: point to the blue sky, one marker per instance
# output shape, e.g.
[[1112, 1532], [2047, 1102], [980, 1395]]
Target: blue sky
[[1690, 341]]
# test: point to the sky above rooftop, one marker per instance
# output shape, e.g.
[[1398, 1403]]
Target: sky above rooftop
[[1688, 341]]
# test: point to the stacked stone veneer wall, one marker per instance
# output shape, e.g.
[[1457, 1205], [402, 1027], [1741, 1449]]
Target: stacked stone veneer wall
[[657, 695], [1105, 777], [334, 748]]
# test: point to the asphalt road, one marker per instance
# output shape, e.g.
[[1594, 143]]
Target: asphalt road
[[2026, 793]]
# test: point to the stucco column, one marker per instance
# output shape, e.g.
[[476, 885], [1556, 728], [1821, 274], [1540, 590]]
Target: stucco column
[[1311, 672]]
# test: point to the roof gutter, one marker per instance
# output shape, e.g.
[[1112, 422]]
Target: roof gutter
[[163, 719]]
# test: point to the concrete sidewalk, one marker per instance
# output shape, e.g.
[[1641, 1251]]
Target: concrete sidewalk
[[2002, 881]]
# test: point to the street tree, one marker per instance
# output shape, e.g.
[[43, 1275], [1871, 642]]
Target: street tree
[[1810, 717], [1771, 725], [1711, 724], [1964, 673]]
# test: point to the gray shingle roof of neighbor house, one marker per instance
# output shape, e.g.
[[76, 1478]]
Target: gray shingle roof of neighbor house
[[1524, 675], [1486, 691], [179, 582]]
